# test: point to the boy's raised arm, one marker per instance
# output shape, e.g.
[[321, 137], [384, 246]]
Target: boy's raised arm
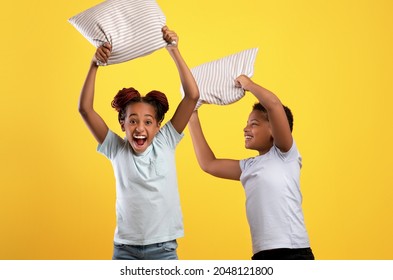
[[280, 127], [223, 168]]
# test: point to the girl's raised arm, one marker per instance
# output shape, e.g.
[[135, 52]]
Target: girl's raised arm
[[93, 120], [191, 92]]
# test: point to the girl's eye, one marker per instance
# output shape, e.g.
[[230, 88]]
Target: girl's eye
[[149, 122], [132, 121]]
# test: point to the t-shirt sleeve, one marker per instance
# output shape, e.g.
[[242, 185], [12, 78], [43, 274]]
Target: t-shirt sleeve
[[170, 135], [243, 163], [292, 154], [111, 145]]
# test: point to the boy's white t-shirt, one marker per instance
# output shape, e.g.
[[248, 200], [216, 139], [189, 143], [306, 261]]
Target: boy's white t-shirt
[[147, 200], [273, 200]]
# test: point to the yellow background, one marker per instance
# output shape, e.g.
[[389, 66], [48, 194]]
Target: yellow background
[[330, 61]]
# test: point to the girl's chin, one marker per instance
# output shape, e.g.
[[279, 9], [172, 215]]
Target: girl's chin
[[139, 148]]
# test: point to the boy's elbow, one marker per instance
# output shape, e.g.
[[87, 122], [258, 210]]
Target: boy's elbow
[[204, 168], [208, 168]]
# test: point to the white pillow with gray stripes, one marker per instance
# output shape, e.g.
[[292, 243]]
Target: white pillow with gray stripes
[[216, 79], [132, 27]]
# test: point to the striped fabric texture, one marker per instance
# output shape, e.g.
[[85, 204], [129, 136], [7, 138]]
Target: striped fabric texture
[[216, 79], [132, 27]]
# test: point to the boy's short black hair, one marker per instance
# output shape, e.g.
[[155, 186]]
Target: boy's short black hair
[[259, 107]]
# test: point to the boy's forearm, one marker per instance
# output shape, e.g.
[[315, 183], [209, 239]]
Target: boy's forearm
[[202, 149], [267, 98]]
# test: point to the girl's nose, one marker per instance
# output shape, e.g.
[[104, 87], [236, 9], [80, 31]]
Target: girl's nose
[[139, 128]]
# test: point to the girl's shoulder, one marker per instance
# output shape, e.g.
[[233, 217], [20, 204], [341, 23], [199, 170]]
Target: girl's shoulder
[[168, 134]]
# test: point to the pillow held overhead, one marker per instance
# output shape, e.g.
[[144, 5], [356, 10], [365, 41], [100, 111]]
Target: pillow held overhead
[[132, 27], [216, 79]]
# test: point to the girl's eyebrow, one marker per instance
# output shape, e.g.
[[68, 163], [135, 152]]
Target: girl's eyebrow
[[134, 114]]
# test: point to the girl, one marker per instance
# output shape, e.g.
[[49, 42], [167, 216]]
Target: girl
[[270, 180], [149, 218]]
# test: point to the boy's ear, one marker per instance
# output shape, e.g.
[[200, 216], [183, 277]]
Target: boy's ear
[[122, 125], [270, 130]]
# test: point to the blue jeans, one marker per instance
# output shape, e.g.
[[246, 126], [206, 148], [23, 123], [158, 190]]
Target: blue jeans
[[157, 251]]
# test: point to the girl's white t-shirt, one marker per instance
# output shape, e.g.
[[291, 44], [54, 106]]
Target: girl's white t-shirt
[[148, 207]]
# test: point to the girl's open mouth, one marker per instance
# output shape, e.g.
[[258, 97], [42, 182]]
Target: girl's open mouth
[[140, 140]]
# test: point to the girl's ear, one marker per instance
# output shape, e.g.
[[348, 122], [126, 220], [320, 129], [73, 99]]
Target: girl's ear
[[122, 126]]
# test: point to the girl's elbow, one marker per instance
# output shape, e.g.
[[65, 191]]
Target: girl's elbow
[[195, 96], [82, 110], [192, 95]]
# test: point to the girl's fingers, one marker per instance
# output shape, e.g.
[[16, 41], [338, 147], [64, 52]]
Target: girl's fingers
[[169, 36], [100, 55], [103, 53], [108, 48]]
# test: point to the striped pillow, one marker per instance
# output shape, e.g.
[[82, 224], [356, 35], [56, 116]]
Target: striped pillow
[[216, 79], [132, 27]]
